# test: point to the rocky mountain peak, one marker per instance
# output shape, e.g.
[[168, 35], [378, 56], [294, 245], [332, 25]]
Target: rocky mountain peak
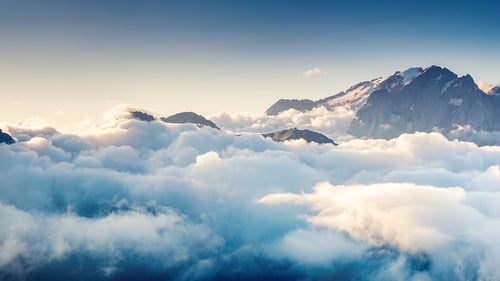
[[437, 99], [142, 116], [189, 117], [294, 134]]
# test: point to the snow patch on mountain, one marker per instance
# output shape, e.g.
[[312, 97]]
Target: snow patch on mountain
[[410, 74], [447, 86], [456, 102], [357, 95]]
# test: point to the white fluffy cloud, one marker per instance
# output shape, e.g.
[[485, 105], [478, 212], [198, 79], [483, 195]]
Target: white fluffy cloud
[[332, 123], [411, 217], [183, 202], [312, 72]]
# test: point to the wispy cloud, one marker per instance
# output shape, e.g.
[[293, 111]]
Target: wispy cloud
[[313, 72]]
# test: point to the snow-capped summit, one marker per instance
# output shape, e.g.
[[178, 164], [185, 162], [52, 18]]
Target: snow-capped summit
[[436, 99], [410, 74], [415, 99]]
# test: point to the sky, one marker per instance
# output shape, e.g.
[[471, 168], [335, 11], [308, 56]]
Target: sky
[[64, 63]]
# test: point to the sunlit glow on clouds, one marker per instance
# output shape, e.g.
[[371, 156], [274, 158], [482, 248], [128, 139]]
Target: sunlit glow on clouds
[[155, 200]]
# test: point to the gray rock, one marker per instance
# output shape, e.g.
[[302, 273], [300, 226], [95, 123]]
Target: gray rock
[[189, 117], [286, 104], [294, 134], [143, 116], [355, 97], [436, 100]]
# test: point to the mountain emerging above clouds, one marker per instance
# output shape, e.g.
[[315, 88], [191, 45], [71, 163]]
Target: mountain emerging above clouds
[[178, 118], [354, 97], [435, 100], [286, 104], [189, 117], [425, 100], [295, 134], [143, 116]]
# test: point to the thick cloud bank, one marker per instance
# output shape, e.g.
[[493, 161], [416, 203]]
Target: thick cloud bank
[[333, 123], [148, 200]]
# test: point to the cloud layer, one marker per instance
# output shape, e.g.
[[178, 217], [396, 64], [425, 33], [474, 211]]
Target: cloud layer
[[179, 202]]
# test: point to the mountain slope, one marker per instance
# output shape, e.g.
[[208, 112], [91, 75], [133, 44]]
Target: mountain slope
[[431, 99], [189, 117], [436, 100], [142, 116], [294, 134], [286, 104], [354, 97]]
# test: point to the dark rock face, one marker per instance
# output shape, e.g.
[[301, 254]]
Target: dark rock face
[[436, 100], [294, 134], [139, 115], [6, 138], [286, 104], [189, 117]]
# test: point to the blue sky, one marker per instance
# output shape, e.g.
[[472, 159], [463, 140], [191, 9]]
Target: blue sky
[[64, 61]]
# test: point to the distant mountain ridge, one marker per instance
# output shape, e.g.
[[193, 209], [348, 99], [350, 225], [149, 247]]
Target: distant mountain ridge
[[355, 97], [189, 117], [178, 118], [286, 104], [436, 100], [295, 134], [417, 99]]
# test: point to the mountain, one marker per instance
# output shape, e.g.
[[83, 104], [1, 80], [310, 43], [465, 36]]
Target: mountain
[[294, 134], [143, 116], [189, 117], [6, 138], [179, 118], [435, 100], [286, 104], [354, 97], [417, 99]]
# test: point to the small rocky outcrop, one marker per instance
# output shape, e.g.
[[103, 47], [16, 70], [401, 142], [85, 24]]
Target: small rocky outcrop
[[295, 134], [189, 117]]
